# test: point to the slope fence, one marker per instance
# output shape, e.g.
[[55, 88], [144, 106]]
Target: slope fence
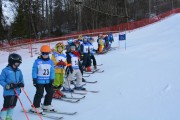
[[129, 26]]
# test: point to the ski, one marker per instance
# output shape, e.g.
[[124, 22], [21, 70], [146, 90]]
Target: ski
[[86, 75], [90, 81], [79, 93], [88, 72], [112, 49], [101, 53], [58, 112], [83, 85], [76, 98], [92, 91], [45, 115], [100, 71], [92, 72], [95, 71], [66, 100], [99, 65]]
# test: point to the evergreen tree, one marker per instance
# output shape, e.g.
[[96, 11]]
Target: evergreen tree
[[20, 27]]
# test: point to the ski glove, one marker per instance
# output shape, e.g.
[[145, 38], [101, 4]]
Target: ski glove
[[61, 63], [34, 82], [69, 69], [20, 85], [51, 82], [11, 86]]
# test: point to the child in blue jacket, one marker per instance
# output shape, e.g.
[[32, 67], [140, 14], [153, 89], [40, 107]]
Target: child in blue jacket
[[43, 78], [11, 79]]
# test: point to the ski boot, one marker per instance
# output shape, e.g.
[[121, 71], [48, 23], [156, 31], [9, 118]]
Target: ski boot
[[8, 118], [3, 114], [83, 80], [38, 109], [67, 89], [58, 94], [9, 114], [48, 108], [88, 69], [95, 67]]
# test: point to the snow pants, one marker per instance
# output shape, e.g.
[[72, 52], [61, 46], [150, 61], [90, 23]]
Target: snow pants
[[58, 80], [9, 102], [86, 60], [94, 60], [39, 94], [77, 74]]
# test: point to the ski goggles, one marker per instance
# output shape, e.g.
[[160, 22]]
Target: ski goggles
[[45, 53], [17, 64]]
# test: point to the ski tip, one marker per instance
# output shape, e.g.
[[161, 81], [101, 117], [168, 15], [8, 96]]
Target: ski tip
[[74, 113], [59, 118], [93, 91]]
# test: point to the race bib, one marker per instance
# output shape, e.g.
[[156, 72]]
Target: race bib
[[85, 49], [74, 61], [44, 70]]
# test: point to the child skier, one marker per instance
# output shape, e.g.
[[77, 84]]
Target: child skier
[[110, 39], [85, 52], [11, 79], [106, 46], [80, 39], [78, 53], [73, 70], [101, 43], [59, 60], [92, 51], [43, 78], [69, 41]]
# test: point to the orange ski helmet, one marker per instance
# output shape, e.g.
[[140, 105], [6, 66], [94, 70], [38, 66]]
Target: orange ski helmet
[[45, 48]]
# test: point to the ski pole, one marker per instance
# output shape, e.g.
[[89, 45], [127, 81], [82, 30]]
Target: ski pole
[[31, 103], [21, 104]]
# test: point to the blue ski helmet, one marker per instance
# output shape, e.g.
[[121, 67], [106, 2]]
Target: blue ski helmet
[[85, 39], [70, 40]]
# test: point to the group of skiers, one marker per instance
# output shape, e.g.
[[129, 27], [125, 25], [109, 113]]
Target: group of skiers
[[49, 73], [104, 42]]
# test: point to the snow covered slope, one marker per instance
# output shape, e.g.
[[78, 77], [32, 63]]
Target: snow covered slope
[[139, 83]]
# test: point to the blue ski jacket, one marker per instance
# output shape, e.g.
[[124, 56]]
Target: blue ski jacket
[[8, 76], [43, 71]]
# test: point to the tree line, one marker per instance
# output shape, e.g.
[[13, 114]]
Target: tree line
[[50, 18]]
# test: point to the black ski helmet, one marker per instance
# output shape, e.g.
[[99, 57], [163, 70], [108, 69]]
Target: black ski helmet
[[13, 58]]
